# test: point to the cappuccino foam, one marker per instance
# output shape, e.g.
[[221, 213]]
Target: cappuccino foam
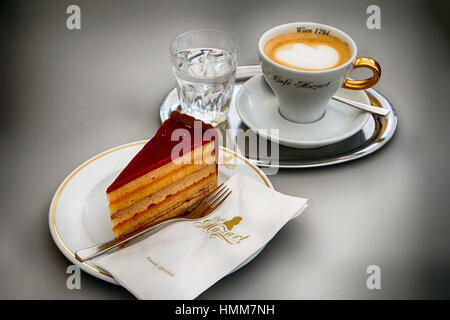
[[307, 51]]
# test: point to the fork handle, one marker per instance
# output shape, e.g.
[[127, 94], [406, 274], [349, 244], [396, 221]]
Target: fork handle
[[201, 211], [94, 251]]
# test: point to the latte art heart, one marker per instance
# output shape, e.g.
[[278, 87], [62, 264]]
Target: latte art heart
[[307, 57], [307, 51]]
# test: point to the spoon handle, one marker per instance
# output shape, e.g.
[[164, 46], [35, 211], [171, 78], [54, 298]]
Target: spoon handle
[[375, 110]]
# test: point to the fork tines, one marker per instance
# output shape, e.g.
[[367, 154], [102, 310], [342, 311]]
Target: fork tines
[[211, 202], [218, 196]]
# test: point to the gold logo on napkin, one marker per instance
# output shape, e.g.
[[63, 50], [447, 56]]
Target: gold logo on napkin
[[231, 223], [221, 228]]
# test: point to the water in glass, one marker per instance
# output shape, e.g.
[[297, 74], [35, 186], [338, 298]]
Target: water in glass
[[205, 79]]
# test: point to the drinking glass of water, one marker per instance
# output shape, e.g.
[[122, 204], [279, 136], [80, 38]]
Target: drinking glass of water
[[204, 65]]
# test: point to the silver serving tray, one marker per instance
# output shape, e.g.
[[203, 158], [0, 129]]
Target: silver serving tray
[[374, 135]]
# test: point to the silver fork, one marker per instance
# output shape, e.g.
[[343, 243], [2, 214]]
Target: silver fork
[[202, 210]]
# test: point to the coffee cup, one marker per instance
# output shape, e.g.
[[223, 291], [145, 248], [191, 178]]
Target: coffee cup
[[305, 64]]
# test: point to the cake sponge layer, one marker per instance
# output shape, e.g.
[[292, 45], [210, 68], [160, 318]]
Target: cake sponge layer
[[204, 154], [181, 184], [173, 205]]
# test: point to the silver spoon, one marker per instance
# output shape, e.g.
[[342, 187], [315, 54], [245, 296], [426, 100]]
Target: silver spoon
[[249, 72], [366, 107]]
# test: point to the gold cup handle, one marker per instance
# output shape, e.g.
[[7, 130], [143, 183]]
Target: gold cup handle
[[364, 62]]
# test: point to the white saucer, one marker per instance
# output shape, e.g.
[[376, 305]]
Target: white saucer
[[258, 108], [79, 215]]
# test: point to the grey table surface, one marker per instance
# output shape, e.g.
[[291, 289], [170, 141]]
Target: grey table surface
[[68, 95]]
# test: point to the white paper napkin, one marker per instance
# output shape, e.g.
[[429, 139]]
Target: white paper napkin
[[187, 257]]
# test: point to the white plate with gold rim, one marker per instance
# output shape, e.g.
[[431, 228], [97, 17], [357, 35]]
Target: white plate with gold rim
[[79, 215]]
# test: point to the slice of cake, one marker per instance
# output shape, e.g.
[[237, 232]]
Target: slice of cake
[[172, 173]]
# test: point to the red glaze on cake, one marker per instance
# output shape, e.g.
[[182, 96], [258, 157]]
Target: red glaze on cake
[[157, 152], [153, 187]]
